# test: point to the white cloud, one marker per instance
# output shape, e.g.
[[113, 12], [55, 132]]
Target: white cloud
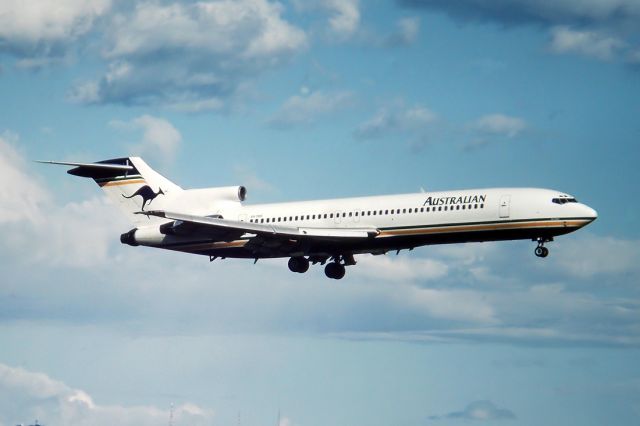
[[26, 395], [548, 12], [482, 411], [413, 122], [284, 421], [593, 256], [160, 139], [501, 125], [400, 268], [454, 305], [248, 178], [45, 29], [346, 16], [22, 196], [43, 231], [633, 56], [407, 30], [193, 56], [307, 108], [495, 127], [586, 43]]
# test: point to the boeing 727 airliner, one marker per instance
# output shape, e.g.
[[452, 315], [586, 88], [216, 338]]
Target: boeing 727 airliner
[[217, 223]]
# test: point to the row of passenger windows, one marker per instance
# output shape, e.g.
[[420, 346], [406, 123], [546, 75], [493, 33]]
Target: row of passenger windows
[[367, 213]]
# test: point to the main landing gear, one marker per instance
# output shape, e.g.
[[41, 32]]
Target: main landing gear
[[335, 269], [541, 250], [299, 264]]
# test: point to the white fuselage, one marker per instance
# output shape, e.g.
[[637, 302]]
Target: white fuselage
[[400, 221]]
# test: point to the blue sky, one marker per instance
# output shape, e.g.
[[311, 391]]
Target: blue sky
[[304, 100]]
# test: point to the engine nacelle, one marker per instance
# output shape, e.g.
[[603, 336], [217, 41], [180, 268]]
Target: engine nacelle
[[146, 236], [205, 201]]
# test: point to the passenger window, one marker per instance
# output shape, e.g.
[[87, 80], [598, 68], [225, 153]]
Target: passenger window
[[440, 208], [387, 211], [374, 212], [482, 206], [457, 207]]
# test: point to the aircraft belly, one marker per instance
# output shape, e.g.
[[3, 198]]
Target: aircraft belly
[[389, 239]]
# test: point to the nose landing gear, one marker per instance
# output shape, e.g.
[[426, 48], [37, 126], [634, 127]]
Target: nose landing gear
[[541, 250]]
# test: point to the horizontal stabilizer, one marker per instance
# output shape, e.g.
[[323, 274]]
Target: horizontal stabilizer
[[103, 169]]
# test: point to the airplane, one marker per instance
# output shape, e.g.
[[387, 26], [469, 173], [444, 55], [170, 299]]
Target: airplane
[[216, 222]]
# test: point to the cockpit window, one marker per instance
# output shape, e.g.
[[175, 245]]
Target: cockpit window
[[563, 200]]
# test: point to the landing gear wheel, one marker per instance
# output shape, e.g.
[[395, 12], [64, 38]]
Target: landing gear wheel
[[541, 251], [334, 270], [299, 264]]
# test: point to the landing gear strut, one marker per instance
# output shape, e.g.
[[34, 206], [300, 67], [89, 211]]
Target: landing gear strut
[[299, 264], [541, 250]]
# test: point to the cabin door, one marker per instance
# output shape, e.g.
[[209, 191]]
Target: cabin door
[[505, 202]]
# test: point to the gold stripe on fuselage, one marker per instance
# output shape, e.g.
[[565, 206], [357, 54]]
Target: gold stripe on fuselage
[[491, 227]]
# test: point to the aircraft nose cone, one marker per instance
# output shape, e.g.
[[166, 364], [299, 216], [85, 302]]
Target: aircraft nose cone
[[591, 213]]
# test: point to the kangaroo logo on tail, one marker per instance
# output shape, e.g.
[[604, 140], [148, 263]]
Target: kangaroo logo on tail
[[147, 194]]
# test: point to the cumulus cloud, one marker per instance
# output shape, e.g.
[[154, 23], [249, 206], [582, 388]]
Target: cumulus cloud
[[22, 196], [480, 410], [406, 33], [38, 32], [25, 395], [398, 268], [193, 56], [592, 28], [584, 293], [586, 43], [29, 213], [549, 12], [345, 16], [160, 139], [414, 123], [500, 124], [308, 107], [594, 256], [495, 127]]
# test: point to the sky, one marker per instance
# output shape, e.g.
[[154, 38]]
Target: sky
[[314, 99]]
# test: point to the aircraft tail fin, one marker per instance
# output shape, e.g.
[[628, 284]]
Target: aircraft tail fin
[[129, 182]]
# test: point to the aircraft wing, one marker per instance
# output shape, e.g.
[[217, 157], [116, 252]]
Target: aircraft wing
[[226, 230]]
